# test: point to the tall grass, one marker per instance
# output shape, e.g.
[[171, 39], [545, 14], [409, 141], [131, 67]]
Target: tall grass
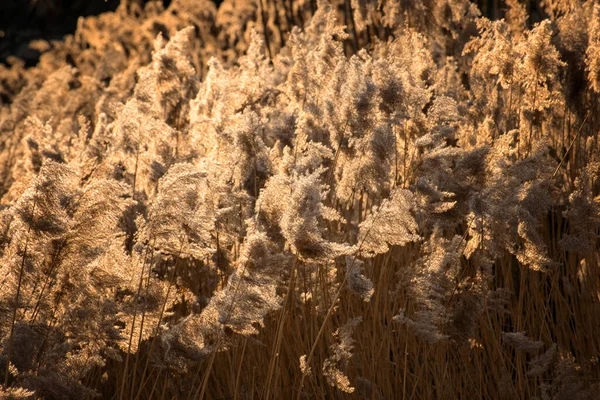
[[277, 199]]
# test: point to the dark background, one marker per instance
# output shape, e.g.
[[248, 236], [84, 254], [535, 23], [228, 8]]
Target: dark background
[[24, 20]]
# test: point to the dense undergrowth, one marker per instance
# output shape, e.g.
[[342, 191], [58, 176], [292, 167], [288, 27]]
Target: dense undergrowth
[[277, 199]]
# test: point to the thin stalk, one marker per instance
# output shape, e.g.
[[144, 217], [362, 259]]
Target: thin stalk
[[14, 316], [263, 17], [140, 336], [202, 388], [277, 344], [239, 371], [332, 306], [48, 279], [17, 294], [570, 145], [137, 296], [160, 316], [532, 114]]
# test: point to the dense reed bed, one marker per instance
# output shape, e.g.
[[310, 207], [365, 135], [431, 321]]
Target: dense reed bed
[[304, 199]]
